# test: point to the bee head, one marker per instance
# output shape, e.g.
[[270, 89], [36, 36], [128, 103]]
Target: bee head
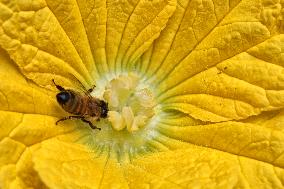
[[104, 107], [63, 97]]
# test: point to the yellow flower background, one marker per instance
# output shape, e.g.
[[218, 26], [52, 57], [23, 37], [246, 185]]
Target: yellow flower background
[[216, 69]]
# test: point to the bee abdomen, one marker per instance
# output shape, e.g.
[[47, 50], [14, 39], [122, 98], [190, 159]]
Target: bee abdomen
[[75, 106]]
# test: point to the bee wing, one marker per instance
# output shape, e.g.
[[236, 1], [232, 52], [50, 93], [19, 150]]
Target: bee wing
[[81, 87]]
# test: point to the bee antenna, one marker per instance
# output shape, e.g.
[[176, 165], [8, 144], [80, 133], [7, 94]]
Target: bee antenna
[[58, 86]]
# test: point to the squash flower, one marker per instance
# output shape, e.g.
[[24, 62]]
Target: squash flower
[[195, 91]]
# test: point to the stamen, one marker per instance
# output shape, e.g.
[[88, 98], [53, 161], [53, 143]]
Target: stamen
[[130, 106]]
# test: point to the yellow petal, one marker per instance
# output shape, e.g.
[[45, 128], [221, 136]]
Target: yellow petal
[[223, 68], [272, 120], [94, 17], [8, 69], [237, 88], [62, 164], [27, 99], [114, 176], [11, 151], [21, 133], [26, 175], [37, 43], [190, 24], [20, 137], [215, 62], [131, 28], [270, 50], [15, 167], [250, 139], [212, 61], [19, 95], [201, 168], [224, 35], [68, 15]]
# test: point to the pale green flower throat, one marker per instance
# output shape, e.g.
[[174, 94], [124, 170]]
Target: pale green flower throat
[[130, 126]]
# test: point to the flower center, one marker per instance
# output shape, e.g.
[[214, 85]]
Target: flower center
[[131, 106], [130, 127]]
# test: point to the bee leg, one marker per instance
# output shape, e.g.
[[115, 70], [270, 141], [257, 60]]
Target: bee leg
[[69, 117], [91, 89], [58, 86], [90, 123]]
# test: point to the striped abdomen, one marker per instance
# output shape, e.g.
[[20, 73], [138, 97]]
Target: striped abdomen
[[82, 105]]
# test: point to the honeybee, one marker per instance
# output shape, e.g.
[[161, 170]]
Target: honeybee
[[82, 106]]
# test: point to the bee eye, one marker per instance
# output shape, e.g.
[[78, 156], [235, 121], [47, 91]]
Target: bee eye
[[62, 97]]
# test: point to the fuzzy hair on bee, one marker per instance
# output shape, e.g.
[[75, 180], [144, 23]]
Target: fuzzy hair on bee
[[82, 106]]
